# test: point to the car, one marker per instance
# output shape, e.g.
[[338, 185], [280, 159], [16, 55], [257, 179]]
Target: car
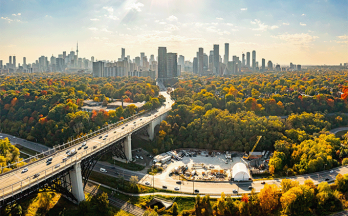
[[126, 125], [122, 127], [141, 157], [114, 131], [263, 182], [86, 147], [56, 166], [1, 136], [64, 159], [104, 138], [100, 137], [79, 148], [141, 119], [147, 183], [164, 187], [136, 156], [49, 159], [84, 143], [25, 170], [134, 122], [103, 170], [178, 182], [327, 179], [48, 163], [226, 162], [67, 152], [250, 187], [196, 191], [94, 147], [106, 135], [176, 188], [331, 171], [235, 191], [36, 175]]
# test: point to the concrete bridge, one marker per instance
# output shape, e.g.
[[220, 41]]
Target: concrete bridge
[[69, 174]]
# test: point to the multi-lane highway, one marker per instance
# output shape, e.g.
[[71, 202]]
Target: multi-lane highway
[[13, 181]]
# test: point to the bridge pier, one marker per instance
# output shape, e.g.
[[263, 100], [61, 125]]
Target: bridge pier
[[152, 125], [127, 143], [76, 182]]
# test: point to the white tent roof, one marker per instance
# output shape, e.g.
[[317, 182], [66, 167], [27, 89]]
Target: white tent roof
[[240, 172]]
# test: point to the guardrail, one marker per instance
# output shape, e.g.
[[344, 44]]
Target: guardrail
[[28, 182]]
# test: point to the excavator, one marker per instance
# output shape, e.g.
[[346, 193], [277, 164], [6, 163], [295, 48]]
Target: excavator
[[246, 156]]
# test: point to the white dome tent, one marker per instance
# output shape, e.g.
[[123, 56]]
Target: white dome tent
[[240, 172]]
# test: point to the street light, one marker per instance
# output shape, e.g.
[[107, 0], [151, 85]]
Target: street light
[[193, 187]]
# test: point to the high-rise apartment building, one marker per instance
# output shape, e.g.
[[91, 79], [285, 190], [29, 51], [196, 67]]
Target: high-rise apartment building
[[227, 51], [270, 65], [24, 62], [10, 62], [162, 62], [205, 62], [263, 64], [172, 65], [123, 53], [137, 61], [195, 65], [64, 55], [92, 58], [200, 61], [1, 64], [14, 62], [254, 59], [248, 59], [98, 69], [142, 55], [243, 60], [216, 60], [211, 60]]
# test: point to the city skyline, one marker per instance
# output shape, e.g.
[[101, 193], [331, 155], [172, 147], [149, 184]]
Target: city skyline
[[311, 32]]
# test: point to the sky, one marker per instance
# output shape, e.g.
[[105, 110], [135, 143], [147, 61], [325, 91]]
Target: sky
[[303, 32]]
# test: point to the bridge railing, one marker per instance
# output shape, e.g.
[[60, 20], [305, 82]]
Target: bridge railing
[[31, 181]]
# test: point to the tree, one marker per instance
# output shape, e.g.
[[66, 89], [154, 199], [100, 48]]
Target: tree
[[134, 181], [345, 161], [174, 210], [269, 198], [101, 201]]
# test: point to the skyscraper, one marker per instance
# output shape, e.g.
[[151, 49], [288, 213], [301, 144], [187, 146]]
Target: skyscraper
[[77, 54], [254, 59], [64, 55], [263, 64], [92, 59], [10, 62], [24, 62], [195, 65], [14, 62], [123, 55], [227, 51], [200, 61], [243, 60], [211, 60], [248, 59], [172, 65], [142, 55], [270, 65], [162, 62], [181, 62], [205, 62], [0, 64], [216, 61]]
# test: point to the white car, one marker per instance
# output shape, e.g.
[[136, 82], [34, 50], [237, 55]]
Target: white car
[[331, 171], [176, 188], [147, 183], [25, 170], [141, 157], [235, 191], [103, 170]]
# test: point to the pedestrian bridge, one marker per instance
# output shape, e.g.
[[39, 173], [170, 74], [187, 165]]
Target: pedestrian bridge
[[69, 174]]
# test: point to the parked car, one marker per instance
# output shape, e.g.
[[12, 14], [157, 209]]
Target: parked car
[[263, 182], [114, 131], [141, 157], [178, 182], [25, 170], [331, 171]]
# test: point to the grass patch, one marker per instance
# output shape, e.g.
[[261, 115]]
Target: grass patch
[[129, 166], [26, 150], [341, 133]]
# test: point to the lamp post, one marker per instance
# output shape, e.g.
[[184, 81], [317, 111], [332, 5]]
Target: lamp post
[[193, 186]]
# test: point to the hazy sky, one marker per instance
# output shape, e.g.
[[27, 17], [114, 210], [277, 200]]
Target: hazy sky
[[298, 31]]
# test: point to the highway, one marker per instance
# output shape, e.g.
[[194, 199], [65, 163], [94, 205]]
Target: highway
[[25, 143], [116, 171], [16, 181]]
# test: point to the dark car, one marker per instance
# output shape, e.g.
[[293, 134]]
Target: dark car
[[196, 191], [327, 179], [263, 182], [164, 187], [94, 147], [36, 175], [178, 182], [48, 163], [86, 147], [100, 137], [250, 187], [79, 148]]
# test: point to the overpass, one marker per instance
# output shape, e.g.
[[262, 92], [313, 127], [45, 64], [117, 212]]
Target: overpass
[[69, 174]]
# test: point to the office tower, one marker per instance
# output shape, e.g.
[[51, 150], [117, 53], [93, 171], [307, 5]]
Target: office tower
[[205, 62], [141, 58], [77, 54], [243, 60], [195, 65], [200, 61], [263, 64], [254, 59], [270, 65], [123, 55], [64, 55], [10, 62], [162, 62], [248, 59], [1, 64], [211, 60], [179, 70], [277, 67], [152, 58], [92, 59], [137, 61], [298, 67], [172, 64], [216, 60], [24, 62], [227, 51], [98, 69], [181, 61]]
